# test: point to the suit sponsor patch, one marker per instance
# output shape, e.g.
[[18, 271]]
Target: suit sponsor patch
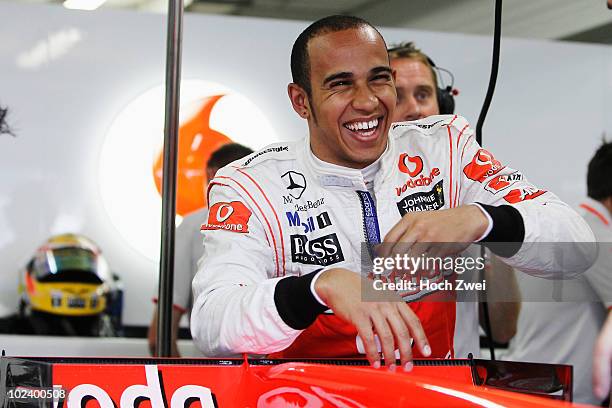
[[482, 166], [308, 222], [233, 216], [423, 201], [322, 251], [502, 182], [522, 194]]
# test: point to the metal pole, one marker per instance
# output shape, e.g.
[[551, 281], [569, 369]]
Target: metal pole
[[166, 264]]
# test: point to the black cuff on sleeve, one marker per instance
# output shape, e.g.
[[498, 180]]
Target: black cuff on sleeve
[[295, 302], [508, 226]]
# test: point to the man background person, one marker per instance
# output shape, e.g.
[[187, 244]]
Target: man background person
[[188, 249], [419, 95], [564, 332], [602, 361]]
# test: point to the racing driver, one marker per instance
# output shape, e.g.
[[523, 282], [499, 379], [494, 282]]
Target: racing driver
[[282, 243]]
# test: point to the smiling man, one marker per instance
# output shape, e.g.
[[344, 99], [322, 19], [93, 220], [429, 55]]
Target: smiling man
[[280, 274]]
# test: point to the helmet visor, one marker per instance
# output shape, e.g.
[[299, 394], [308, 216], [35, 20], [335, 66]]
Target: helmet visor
[[70, 264]]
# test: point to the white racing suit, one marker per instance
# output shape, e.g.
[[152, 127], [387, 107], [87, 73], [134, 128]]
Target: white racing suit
[[280, 213]]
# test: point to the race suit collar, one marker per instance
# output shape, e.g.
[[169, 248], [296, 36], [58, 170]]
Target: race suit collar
[[335, 176]]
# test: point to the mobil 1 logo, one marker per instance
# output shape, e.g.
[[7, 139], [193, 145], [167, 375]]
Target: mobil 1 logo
[[322, 251], [308, 222]]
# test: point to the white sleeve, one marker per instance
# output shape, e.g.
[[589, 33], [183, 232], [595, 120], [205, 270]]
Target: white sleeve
[[556, 239], [234, 309]]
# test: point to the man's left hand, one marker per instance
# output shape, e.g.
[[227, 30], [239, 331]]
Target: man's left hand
[[457, 226]]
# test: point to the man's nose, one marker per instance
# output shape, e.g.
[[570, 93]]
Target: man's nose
[[410, 109], [365, 99]]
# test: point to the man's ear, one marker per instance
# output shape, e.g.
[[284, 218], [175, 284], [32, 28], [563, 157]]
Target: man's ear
[[299, 100]]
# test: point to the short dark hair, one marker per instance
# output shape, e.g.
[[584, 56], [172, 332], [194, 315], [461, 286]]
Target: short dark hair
[[599, 182], [227, 154], [300, 60]]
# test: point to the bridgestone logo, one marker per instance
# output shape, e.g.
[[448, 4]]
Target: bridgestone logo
[[424, 201], [421, 125], [268, 150]]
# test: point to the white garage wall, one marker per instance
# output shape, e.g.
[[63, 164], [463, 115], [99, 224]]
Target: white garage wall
[[548, 112]]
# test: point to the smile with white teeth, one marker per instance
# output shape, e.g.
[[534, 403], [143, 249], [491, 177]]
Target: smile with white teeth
[[366, 128]]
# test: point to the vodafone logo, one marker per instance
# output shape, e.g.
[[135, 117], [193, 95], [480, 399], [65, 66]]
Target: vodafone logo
[[233, 217], [133, 395], [406, 162], [483, 158], [196, 142], [419, 182], [482, 166], [224, 212]]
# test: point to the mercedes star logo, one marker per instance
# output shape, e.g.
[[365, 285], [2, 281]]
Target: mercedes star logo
[[295, 182]]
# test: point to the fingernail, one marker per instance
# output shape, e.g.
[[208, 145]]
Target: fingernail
[[392, 368], [408, 366], [376, 364], [427, 351]]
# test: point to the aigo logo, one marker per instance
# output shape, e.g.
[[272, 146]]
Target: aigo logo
[[522, 194], [133, 144], [416, 161]]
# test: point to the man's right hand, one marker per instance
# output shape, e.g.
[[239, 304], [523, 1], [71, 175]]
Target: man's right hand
[[391, 318]]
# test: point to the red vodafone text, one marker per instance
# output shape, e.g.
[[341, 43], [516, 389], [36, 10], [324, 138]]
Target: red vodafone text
[[132, 395], [418, 182]]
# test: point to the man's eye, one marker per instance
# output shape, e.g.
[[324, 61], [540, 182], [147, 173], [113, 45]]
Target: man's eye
[[382, 78], [339, 84], [421, 96]]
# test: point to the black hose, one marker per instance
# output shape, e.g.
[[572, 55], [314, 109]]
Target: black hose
[[494, 70], [479, 124]]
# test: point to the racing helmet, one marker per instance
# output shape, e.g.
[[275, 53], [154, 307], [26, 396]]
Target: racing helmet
[[67, 276]]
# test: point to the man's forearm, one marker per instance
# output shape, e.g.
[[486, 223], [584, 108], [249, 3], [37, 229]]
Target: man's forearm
[[503, 299], [235, 319]]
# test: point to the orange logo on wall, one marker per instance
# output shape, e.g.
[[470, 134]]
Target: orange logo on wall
[[196, 142]]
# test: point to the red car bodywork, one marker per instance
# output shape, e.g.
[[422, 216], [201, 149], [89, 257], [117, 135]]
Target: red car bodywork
[[90, 382]]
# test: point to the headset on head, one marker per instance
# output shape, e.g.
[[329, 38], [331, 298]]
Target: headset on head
[[445, 94]]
